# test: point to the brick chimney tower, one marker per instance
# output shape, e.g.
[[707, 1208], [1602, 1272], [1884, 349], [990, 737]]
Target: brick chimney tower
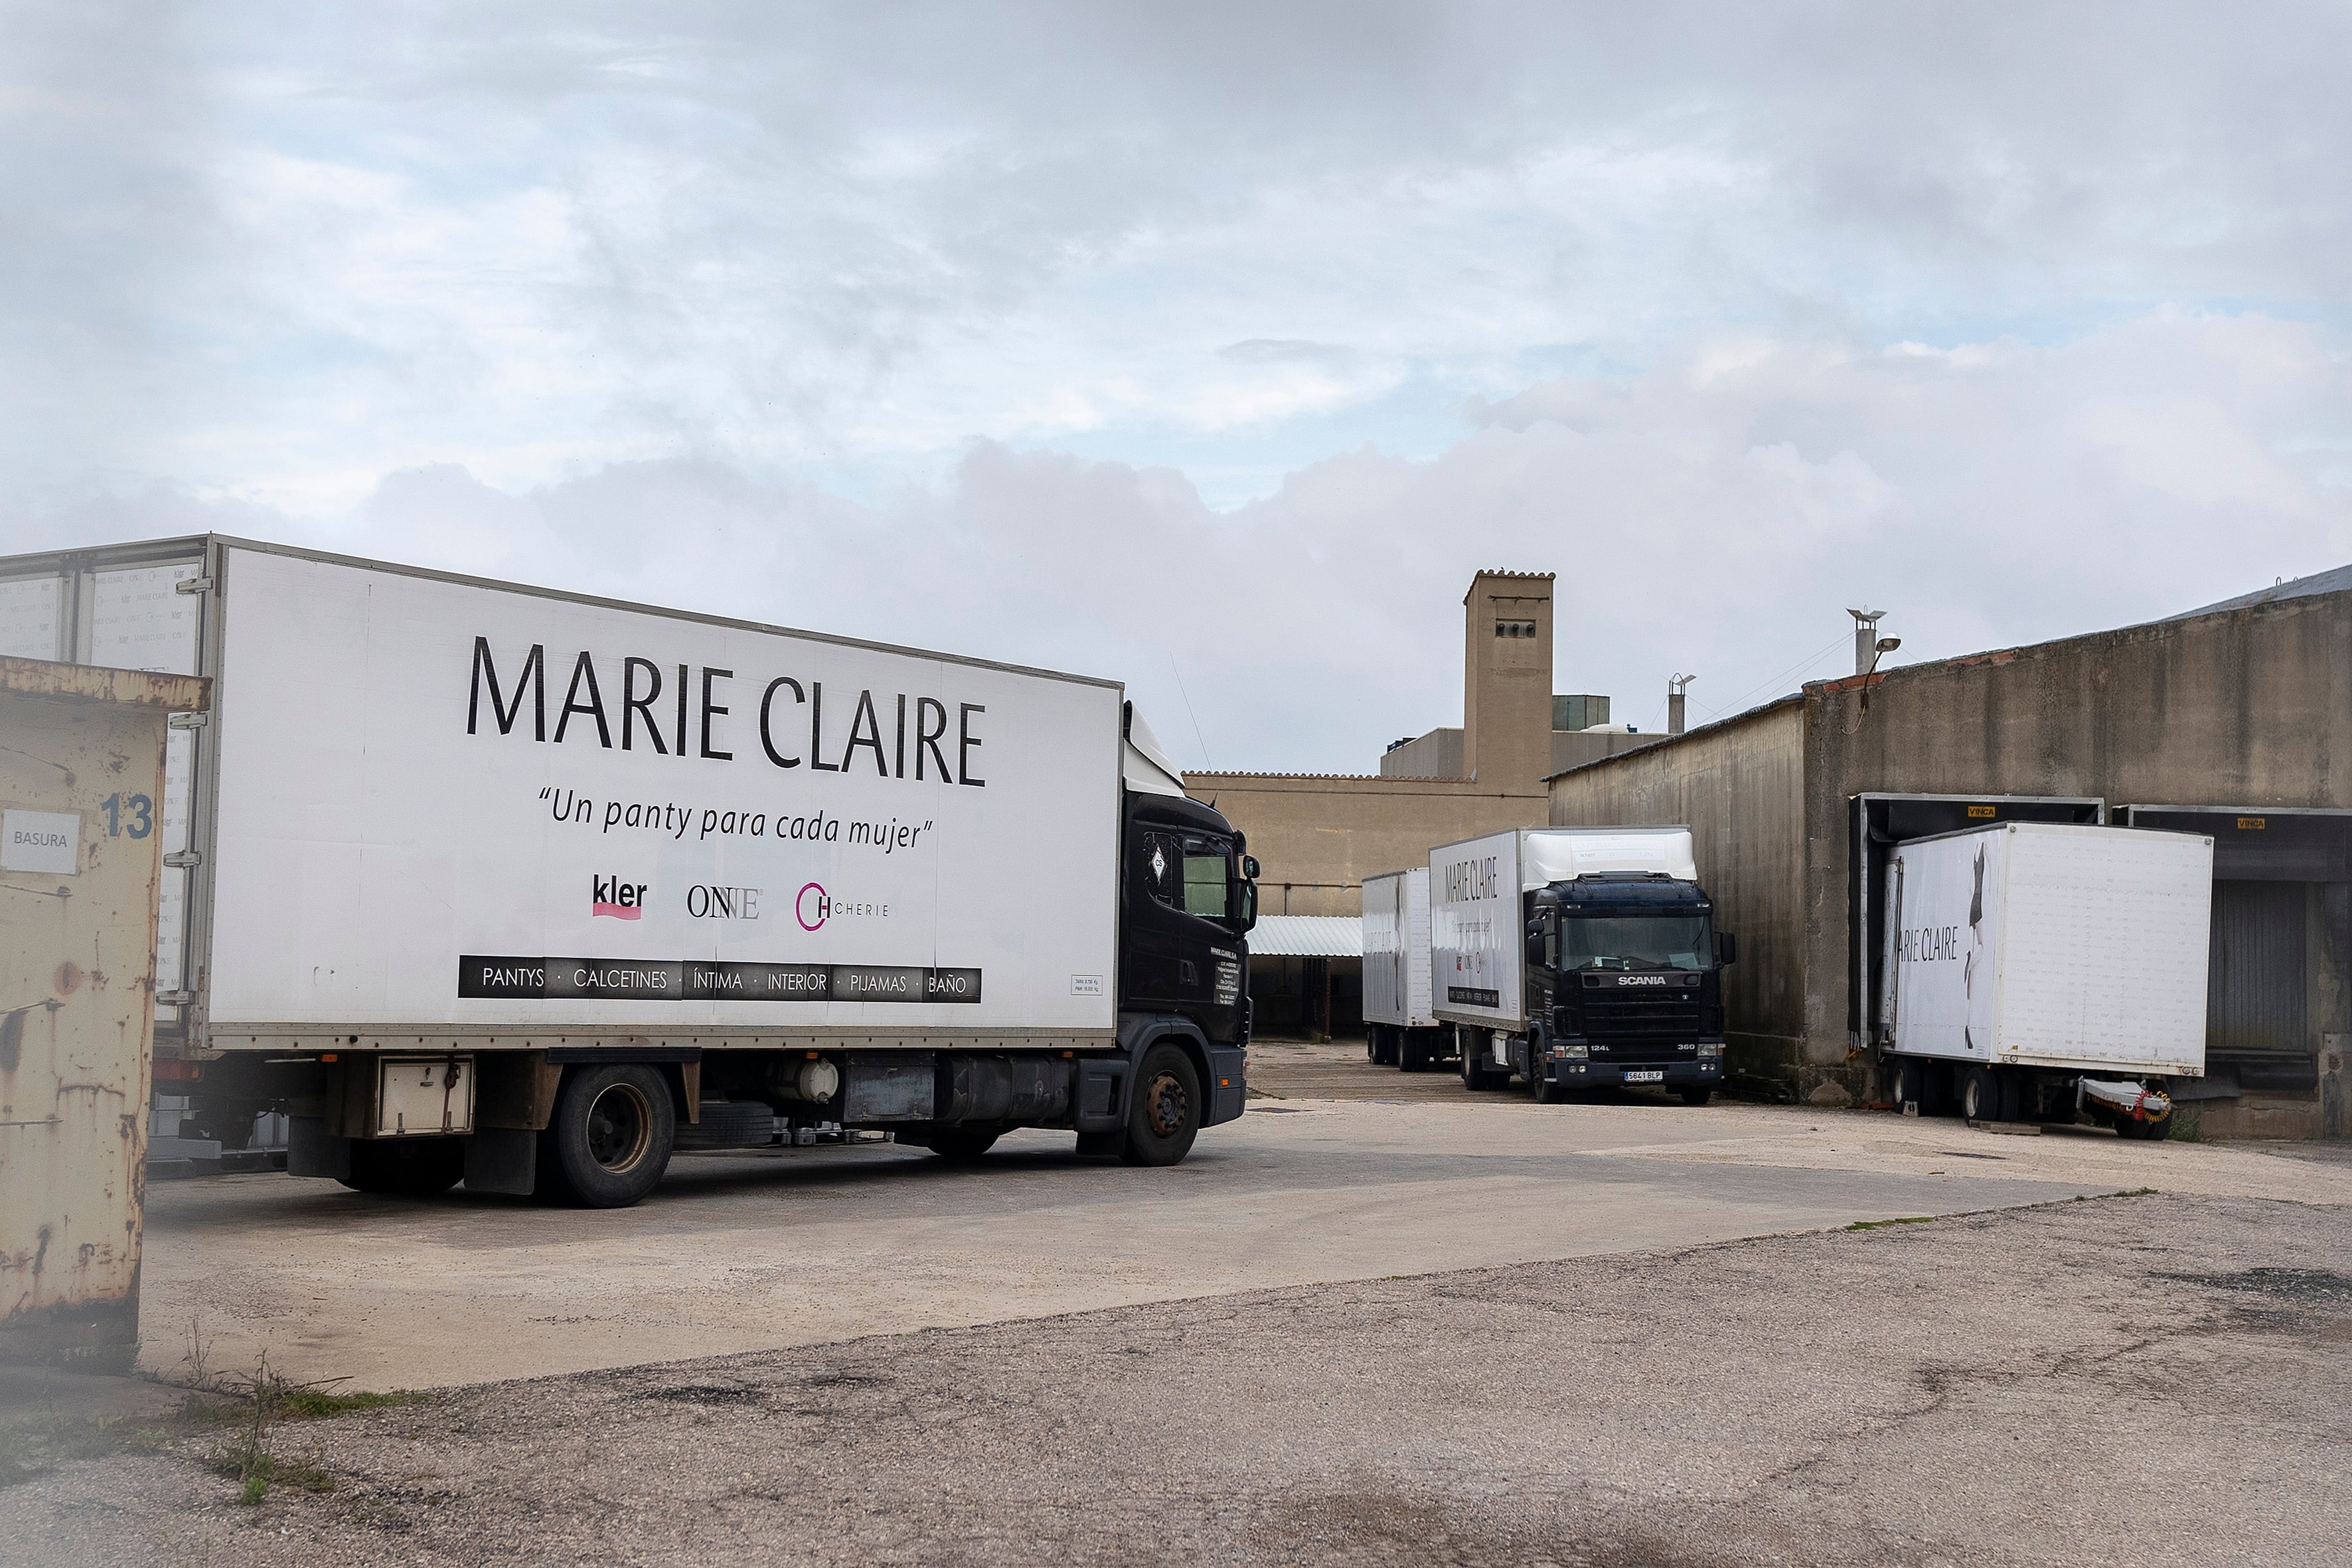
[[1507, 679]]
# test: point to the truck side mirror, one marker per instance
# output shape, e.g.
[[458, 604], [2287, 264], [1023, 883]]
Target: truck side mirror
[[1243, 904], [1726, 949], [1536, 943], [1249, 867]]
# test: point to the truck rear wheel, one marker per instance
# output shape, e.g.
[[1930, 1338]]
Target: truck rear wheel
[[1698, 1094], [1166, 1115], [1478, 1068], [1986, 1095], [609, 1138], [410, 1168]]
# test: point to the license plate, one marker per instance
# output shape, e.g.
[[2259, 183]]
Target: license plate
[[1646, 1078]]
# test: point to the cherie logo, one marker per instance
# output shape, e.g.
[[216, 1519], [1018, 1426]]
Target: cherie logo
[[813, 906], [619, 900]]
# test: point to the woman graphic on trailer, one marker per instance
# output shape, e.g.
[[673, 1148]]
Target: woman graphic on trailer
[[1979, 1011]]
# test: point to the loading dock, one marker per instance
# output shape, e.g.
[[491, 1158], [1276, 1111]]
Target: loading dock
[[2277, 994]]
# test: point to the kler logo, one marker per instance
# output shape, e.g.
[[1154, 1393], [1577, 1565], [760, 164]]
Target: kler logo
[[621, 901]]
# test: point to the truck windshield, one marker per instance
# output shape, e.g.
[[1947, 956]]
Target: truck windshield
[[1636, 942]]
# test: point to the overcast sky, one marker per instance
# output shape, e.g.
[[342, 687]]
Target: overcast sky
[[1209, 347]]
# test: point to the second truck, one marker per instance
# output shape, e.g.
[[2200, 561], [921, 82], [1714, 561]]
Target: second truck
[[1578, 959]]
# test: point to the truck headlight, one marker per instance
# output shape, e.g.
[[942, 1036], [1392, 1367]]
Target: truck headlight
[[1569, 1051], [1710, 1048]]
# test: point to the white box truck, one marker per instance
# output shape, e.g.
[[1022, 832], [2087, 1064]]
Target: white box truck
[[1400, 1029], [1579, 958], [482, 881], [2039, 971]]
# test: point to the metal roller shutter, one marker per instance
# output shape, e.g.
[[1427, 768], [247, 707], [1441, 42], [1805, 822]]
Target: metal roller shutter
[[2255, 998]]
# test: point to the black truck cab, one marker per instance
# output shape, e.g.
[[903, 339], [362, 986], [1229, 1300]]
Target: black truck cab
[[1624, 978], [1189, 897]]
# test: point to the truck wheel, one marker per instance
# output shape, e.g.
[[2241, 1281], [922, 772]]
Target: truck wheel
[[1546, 1091], [609, 1138], [1166, 1115], [1412, 1055], [1902, 1084], [1384, 1045], [2128, 1127], [962, 1143], [1984, 1096], [413, 1169], [1698, 1094]]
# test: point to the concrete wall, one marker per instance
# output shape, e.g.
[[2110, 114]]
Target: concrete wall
[[2248, 706], [1437, 755], [1317, 836], [1739, 786], [1575, 748]]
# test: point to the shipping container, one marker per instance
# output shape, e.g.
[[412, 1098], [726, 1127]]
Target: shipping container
[[2023, 960], [1400, 1029]]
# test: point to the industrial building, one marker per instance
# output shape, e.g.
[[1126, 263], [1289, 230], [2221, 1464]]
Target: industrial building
[[2234, 720], [1317, 836]]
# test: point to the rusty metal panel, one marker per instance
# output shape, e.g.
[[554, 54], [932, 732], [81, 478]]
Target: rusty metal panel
[[79, 749]]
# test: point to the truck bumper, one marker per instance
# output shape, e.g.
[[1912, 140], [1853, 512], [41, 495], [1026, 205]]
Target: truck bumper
[[1227, 1086], [1574, 1074]]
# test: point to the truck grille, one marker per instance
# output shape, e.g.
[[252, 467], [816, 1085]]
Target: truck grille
[[1648, 1015]]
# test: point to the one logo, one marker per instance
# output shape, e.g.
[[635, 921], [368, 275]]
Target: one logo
[[706, 902], [613, 897], [813, 906]]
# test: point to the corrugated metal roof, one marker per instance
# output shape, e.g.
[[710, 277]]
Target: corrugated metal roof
[[1307, 936], [2334, 581]]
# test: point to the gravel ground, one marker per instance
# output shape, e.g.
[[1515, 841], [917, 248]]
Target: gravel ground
[[2144, 1379]]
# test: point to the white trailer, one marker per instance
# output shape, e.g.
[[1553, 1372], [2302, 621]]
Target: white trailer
[[1399, 1028], [2036, 970], [447, 849]]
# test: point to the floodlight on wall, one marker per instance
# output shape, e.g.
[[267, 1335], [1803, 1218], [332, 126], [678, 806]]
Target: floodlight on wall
[[1879, 649]]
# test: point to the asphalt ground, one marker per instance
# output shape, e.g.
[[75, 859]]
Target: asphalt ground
[[796, 1247], [2128, 1380]]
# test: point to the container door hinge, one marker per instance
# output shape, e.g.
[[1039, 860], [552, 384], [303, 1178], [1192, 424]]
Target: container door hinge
[[184, 859], [192, 585], [174, 998], [190, 721]]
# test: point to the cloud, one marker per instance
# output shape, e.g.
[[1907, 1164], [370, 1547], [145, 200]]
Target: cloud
[[1716, 513], [265, 257]]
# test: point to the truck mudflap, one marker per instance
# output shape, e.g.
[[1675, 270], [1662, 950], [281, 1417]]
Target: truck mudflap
[[2122, 1099], [1227, 1086]]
